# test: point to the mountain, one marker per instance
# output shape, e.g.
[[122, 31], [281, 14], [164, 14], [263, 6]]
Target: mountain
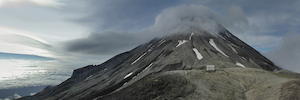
[[174, 67]]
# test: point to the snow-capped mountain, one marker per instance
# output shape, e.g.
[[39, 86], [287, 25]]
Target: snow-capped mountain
[[173, 67]]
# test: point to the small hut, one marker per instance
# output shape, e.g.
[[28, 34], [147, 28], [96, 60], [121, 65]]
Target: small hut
[[210, 68]]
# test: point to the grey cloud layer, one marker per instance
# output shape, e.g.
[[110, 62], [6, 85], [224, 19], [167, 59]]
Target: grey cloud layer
[[261, 24], [129, 15], [107, 43], [179, 19]]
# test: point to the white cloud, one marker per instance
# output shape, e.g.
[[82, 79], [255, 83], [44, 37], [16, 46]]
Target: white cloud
[[15, 96], [34, 77], [46, 3], [9, 31], [186, 18], [287, 55], [37, 30], [32, 94], [22, 42]]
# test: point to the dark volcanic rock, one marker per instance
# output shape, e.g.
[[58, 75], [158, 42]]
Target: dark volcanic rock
[[164, 87]]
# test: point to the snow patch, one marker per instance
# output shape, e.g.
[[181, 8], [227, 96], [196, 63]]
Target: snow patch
[[239, 64], [128, 75], [228, 34], [151, 48], [138, 58], [233, 49], [222, 37], [275, 70], [244, 58], [191, 35], [180, 42], [88, 77], [265, 63], [161, 41], [212, 43], [198, 54], [133, 77], [148, 66], [149, 45], [103, 70], [143, 70]]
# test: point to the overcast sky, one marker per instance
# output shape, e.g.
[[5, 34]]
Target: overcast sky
[[81, 32]]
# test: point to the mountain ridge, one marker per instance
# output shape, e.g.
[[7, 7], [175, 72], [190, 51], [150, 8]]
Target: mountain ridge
[[177, 52]]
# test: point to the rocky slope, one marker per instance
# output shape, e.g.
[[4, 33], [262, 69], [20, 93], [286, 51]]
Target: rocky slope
[[227, 84], [173, 67]]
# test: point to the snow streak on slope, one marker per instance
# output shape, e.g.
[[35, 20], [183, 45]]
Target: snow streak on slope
[[228, 34], [222, 37], [212, 43], [244, 58], [161, 41], [199, 56], [138, 58], [233, 49], [143, 70], [191, 35], [128, 75], [88, 77], [148, 67], [149, 45], [239, 64], [180, 42]]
